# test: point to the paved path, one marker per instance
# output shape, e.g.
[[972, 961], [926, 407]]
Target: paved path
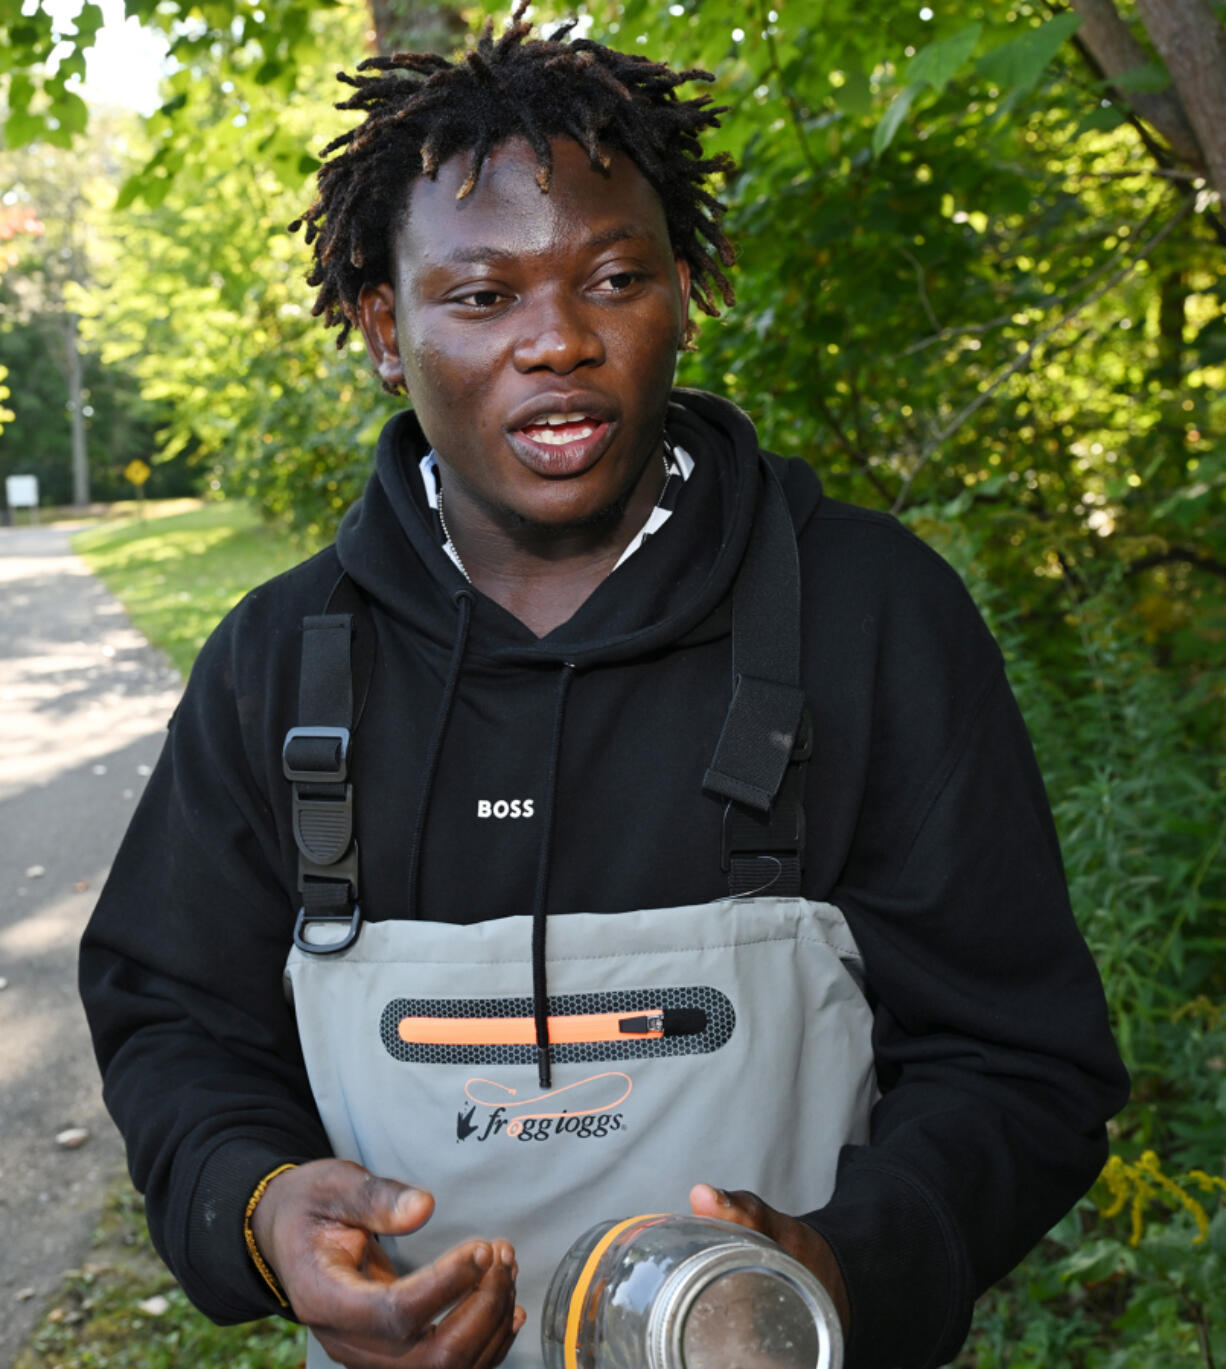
[[83, 706]]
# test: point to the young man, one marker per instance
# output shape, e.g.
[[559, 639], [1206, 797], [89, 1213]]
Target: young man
[[640, 819]]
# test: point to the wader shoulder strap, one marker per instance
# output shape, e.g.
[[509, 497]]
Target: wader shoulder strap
[[759, 761], [315, 760]]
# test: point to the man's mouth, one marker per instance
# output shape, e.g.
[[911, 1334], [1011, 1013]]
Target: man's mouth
[[556, 430], [561, 443]]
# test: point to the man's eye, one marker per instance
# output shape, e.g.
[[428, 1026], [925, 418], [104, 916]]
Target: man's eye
[[480, 299], [618, 282]]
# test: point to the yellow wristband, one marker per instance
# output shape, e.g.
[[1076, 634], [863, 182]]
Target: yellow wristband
[[249, 1236]]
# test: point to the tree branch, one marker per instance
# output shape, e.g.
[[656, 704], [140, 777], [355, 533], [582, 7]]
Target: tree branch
[[1178, 556], [1160, 154], [1024, 358], [856, 452], [772, 52], [1047, 302], [1116, 51], [1192, 42], [921, 284]]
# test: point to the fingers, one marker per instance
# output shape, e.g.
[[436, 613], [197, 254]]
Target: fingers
[[799, 1239], [316, 1225], [500, 1352], [344, 1299], [479, 1330], [740, 1206], [384, 1206], [399, 1330], [317, 1218]]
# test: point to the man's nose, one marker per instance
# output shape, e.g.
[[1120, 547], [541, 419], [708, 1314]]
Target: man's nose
[[558, 336]]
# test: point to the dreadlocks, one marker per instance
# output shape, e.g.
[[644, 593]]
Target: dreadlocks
[[422, 109]]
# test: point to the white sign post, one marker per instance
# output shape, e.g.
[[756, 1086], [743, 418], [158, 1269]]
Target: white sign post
[[21, 492]]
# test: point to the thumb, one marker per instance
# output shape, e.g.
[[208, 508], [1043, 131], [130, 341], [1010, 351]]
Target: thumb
[[383, 1206], [708, 1201]]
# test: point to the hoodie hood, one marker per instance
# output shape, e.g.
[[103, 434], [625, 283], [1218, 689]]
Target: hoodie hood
[[663, 593]]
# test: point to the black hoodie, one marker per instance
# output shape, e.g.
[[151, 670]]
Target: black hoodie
[[927, 824]]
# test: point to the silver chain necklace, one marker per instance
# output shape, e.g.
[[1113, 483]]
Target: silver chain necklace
[[446, 533], [455, 551]]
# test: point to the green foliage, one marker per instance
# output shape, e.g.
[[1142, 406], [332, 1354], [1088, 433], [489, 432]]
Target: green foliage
[[36, 439], [208, 304], [1139, 803], [96, 1317], [42, 54], [177, 576], [58, 198]]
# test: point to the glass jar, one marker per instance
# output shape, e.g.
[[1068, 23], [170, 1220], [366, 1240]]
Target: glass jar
[[681, 1292]]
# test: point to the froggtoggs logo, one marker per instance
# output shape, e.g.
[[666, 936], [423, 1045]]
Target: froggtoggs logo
[[584, 1109]]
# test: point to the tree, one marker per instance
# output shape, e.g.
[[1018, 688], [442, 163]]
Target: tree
[[43, 287], [53, 210], [1183, 97]]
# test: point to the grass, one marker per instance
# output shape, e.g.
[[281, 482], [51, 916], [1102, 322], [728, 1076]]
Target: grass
[[97, 1320], [177, 575]]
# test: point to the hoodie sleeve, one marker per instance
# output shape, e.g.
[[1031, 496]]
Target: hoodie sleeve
[[180, 973], [993, 1051]]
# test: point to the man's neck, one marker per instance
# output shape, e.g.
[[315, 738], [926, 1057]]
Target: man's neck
[[542, 575]]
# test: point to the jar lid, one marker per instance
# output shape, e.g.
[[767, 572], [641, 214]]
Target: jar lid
[[737, 1306]]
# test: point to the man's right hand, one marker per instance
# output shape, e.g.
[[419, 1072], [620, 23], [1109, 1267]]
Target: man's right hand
[[316, 1225]]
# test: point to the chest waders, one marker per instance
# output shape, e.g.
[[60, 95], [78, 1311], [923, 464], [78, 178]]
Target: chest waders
[[727, 1042]]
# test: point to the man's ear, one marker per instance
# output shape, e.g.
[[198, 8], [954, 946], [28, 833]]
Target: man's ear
[[377, 320], [683, 282]]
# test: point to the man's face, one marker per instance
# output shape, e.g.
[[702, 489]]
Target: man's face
[[536, 334]]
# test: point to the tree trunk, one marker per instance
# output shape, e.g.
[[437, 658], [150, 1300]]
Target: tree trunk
[[1192, 42], [1111, 43], [407, 26], [76, 407]]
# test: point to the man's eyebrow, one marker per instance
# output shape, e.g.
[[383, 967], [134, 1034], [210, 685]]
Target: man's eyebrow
[[472, 256]]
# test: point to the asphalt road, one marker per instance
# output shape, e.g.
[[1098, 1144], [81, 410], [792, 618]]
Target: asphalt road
[[84, 701]]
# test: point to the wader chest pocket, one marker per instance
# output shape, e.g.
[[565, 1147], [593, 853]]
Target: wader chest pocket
[[629, 1024]]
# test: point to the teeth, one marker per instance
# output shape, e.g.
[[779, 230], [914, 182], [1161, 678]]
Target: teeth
[[548, 439], [554, 419]]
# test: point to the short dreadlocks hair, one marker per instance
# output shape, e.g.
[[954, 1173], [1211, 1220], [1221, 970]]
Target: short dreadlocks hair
[[422, 109]]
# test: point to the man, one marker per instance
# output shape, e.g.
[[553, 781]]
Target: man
[[641, 818]]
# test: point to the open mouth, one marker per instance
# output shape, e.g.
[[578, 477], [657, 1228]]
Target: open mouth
[[556, 430], [561, 443]]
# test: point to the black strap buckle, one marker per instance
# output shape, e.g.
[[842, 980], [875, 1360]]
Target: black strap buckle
[[316, 755], [779, 832], [323, 825], [306, 920]]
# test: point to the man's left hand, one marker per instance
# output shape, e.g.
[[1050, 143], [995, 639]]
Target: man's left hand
[[798, 1239]]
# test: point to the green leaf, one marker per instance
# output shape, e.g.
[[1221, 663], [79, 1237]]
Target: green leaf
[[891, 120], [1217, 1231], [130, 191], [22, 127], [1147, 79], [88, 22], [21, 92], [939, 62], [1093, 1261], [269, 70], [71, 111], [1101, 120], [854, 97], [1019, 64]]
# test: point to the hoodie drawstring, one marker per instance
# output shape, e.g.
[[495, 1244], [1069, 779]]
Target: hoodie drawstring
[[540, 992], [464, 601]]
